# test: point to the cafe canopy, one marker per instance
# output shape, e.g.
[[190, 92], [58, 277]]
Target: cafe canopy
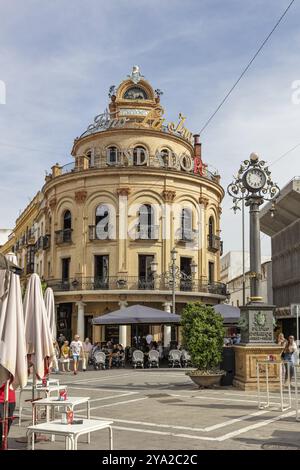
[[137, 314], [230, 314]]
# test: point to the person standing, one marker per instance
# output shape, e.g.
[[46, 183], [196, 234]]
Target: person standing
[[11, 408], [65, 356], [86, 348], [288, 356], [76, 350]]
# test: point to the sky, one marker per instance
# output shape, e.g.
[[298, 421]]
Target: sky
[[58, 59]]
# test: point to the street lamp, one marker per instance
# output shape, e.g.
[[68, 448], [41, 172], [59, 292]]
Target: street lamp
[[173, 257], [172, 274]]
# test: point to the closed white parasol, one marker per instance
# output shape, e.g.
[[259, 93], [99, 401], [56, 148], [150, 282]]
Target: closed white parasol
[[50, 308], [13, 360], [39, 342]]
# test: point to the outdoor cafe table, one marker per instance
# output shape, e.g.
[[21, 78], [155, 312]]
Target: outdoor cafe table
[[265, 365], [53, 402], [71, 432], [39, 389]]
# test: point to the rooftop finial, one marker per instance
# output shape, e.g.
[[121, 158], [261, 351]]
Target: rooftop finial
[[135, 74]]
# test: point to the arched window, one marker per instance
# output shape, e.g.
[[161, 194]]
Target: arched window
[[146, 222], [89, 154], [112, 155], [165, 154], [140, 155], [102, 222], [211, 231], [67, 220], [186, 224]]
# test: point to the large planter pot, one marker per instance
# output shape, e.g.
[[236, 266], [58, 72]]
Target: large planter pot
[[206, 380]]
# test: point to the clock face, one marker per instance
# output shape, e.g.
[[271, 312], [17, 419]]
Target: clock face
[[255, 179]]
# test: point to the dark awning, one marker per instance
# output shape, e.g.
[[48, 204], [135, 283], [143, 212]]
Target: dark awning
[[137, 314], [229, 313]]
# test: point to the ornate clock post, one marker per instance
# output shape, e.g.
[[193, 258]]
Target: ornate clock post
[[254, 186]]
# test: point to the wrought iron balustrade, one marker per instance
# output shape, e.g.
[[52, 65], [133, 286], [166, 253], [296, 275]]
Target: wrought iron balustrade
[[132, 283], [63, 236], [214, 243]]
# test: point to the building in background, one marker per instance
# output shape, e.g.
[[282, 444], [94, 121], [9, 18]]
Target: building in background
[[235, 286], [232, 275], [101, 230], [283, 226]]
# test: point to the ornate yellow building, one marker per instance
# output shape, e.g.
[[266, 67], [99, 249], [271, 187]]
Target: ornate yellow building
[[105, 225]]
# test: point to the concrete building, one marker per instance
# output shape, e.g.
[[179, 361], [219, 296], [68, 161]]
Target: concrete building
[[101, 230], [283, 226], [235, 286]]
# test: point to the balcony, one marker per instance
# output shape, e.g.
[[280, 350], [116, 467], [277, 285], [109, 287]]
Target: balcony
[[215, 244], [95, 234], [186, 235], [147, 232], [39, 244], [46, 242], [136, 283], [29, 268], [63, 236]]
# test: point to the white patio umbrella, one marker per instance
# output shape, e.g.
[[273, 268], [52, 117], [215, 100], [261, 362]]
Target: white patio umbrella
[[39, 342], [50, 308], [13, 359]]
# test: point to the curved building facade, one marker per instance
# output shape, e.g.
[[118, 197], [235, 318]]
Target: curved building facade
[[107, 223]]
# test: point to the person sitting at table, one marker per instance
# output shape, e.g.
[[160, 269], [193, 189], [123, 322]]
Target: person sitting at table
[[121, 352], [11, 408], [113, 354]]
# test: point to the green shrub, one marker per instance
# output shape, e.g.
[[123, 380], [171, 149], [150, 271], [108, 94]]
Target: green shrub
[[203, 335]]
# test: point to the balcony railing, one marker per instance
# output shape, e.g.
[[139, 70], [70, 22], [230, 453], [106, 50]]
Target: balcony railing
[[147, 232], [39, 243], [136, 283], [186, 235], [214, 243], [107, 234], [29, 268], [46, 242], [63, 236]]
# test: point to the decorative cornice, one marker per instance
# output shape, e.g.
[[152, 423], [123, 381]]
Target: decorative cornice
[[80, 196], [204, 200], [168, 195], [123, 191]]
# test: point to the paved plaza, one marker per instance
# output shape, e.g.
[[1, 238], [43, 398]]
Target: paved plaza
[[162, 409]]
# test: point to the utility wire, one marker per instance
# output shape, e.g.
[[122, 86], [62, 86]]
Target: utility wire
[[247, 67], [284, 154]]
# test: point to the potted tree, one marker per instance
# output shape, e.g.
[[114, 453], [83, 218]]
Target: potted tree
[[203, 336]]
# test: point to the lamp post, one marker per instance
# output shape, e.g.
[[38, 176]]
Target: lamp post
[[173, 258], [173, 274]]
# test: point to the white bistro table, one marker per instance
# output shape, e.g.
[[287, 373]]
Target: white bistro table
[[48, 390], [265, 364], [53, 402], [71, 432]]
